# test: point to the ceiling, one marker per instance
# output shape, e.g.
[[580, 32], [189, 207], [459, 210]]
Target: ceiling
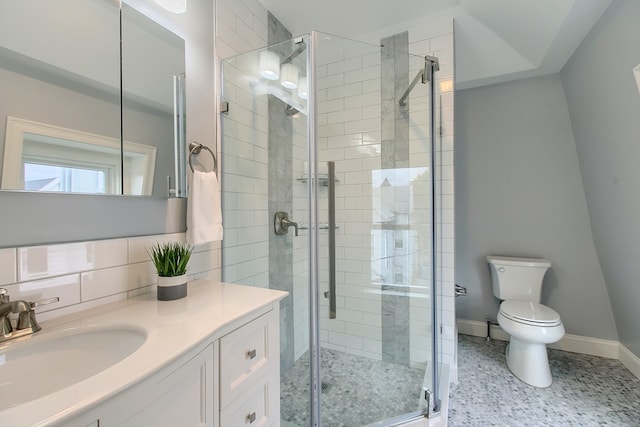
[[495, 40]]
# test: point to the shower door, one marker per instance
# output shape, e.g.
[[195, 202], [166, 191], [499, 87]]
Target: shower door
[[350, 167]]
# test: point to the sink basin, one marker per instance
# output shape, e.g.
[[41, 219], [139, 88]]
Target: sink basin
[[43, 364]]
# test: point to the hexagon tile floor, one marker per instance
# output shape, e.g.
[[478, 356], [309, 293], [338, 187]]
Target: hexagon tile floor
[[586, 391]]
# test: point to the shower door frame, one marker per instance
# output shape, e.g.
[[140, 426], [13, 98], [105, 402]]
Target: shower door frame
[[314, 284], [315, 375]]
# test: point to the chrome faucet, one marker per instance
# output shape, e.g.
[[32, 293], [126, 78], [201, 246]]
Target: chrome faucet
[[26, 323]]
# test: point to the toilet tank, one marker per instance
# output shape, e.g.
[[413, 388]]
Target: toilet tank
[[517, 278]]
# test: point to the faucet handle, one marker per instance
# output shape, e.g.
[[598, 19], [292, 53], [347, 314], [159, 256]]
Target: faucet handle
[[44, 302], [27, 318], [4, 296]]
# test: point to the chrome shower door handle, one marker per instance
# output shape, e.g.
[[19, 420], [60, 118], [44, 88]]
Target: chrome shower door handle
[[331, 169]]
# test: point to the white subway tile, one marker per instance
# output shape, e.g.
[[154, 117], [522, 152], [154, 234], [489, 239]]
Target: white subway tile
[[8, 273], [330, 106], [37, 262], [350, 115], [364, 100], [344, 91], [110, 281], [420, 46], [371, 59], [331, 130], [139, 247], [350, 341], [204, 261], [329, 81], [345, 65], [341, 141], [372, 85], [76, 308], [441, 42], [363, 74], [369, 125], [214, 275]]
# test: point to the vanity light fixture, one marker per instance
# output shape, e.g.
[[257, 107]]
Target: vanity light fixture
[[269, 65], [303, 87], [289, 76], [175, 6]]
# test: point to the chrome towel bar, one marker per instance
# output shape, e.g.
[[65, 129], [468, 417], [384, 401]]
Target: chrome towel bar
[[196, 148]]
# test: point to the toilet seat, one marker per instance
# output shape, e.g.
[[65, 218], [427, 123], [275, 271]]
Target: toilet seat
[[530, 313]]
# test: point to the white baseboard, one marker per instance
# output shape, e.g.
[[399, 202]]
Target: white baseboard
[[630, 360], [479, 329], [574, 343]]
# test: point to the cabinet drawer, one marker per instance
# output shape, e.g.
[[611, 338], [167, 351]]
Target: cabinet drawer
[[247, 354], [257, 407]]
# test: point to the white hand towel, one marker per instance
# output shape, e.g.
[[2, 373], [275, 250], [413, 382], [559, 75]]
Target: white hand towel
[[204, 213]]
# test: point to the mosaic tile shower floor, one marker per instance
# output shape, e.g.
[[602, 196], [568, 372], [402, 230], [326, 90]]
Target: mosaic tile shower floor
[[586, 391], [360, 390]]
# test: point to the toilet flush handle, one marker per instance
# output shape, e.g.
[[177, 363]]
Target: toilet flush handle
[[501, 270]]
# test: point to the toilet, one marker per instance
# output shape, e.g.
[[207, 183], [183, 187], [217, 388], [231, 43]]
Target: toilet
[[530, 325]]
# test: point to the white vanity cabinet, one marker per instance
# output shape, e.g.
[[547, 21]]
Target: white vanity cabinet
[[179, 395], [232, 382], [250, 374]]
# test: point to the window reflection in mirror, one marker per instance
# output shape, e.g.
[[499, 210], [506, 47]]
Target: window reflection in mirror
[[60, 77]]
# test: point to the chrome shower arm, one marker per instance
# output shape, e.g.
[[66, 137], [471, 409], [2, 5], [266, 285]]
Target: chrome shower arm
[[419, 76], [424, 76]]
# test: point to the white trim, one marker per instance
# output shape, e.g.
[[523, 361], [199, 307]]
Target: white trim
[[479, 329], [570, 342], [630, 360], [588, 345]]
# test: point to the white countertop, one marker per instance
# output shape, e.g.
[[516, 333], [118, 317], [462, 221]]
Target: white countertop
[[210, 310]]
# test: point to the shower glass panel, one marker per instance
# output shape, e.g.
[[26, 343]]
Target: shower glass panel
[[373, 186]]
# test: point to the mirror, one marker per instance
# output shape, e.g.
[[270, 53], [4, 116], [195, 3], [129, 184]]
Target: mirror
[[64, 126]]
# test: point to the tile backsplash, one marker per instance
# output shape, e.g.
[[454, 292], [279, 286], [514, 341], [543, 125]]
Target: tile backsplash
[[88, 274]]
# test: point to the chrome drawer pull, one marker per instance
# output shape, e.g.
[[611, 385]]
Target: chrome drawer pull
[[251, 417], [251, 354]]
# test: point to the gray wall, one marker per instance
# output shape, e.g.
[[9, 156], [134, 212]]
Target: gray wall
[[27, 219], [604, 105], [519, 193]]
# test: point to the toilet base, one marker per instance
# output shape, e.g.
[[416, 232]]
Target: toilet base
[[529, 362]]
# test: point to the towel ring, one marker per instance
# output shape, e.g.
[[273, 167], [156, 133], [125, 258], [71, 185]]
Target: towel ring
[[196, 148]]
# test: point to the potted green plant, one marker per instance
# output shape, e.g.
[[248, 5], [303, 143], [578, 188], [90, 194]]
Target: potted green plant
[[170, 260]]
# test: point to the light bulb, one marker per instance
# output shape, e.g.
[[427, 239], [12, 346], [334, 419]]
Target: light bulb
[[269, 65], [289, 76]]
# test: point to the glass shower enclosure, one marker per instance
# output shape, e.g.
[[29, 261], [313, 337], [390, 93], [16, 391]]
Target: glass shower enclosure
[[328, 186]]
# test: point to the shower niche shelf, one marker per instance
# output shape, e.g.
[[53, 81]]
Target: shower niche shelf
[[323, 179]]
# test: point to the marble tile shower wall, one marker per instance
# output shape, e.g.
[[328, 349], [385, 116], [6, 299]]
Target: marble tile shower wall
[[88, 274]]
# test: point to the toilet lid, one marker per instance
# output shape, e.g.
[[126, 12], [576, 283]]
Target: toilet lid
[[530, 313]]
